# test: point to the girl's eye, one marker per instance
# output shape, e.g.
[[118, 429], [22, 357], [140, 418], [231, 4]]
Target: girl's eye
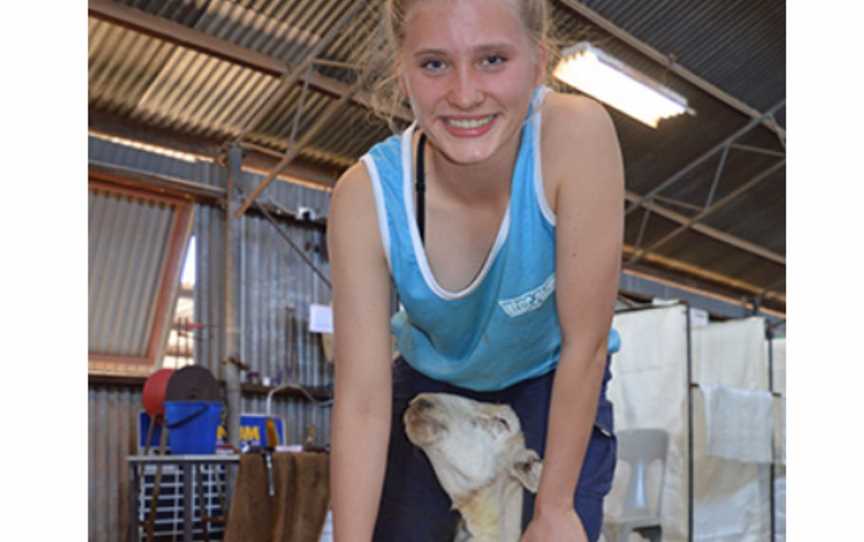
[[432, 65], [493, 60]]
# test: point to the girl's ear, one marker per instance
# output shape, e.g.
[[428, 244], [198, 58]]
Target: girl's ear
[[542, 60], [403, 86]]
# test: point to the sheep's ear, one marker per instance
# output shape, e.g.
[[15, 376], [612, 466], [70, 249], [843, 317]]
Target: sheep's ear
[[526, 468]]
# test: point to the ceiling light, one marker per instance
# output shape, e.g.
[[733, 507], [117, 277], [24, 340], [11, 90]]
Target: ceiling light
[[609, 80]]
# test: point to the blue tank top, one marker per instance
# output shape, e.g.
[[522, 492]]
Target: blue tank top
[[503, 327]]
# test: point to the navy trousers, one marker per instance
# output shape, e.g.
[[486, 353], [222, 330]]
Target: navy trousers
[[414, 507]]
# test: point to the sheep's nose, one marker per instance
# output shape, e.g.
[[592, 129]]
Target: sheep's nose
[[423, 404]]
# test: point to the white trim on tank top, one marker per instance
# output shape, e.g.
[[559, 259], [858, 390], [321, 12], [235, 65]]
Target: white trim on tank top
[[539, 188], [378, 191], [419, 251]]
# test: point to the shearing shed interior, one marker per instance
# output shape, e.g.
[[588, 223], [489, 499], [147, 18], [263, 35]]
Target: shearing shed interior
[[217, 130]]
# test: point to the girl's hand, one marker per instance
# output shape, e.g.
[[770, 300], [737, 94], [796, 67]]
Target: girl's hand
[[560, 525]]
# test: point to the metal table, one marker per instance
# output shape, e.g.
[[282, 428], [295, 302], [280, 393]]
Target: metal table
[[188, 465]]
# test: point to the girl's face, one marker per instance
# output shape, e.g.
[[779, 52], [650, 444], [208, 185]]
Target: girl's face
[[469, 69]]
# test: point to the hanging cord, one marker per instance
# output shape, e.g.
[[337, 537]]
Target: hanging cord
[[421, 189]]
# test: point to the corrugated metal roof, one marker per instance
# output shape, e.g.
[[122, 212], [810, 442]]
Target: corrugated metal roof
[[169, 86], [127, 243], [738, 45]]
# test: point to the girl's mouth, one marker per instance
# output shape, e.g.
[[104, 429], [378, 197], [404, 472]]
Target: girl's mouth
[[469, 127]]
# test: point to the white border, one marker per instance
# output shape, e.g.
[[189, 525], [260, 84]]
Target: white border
[[539, 187], [380, 207]]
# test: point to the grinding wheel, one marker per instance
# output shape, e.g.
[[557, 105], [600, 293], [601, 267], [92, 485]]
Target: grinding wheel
[[192, 383]]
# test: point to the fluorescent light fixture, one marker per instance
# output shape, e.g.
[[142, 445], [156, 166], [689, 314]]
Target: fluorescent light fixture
[[609, 80]]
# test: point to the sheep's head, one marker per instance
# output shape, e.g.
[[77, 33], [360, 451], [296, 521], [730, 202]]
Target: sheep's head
[[470, 444]]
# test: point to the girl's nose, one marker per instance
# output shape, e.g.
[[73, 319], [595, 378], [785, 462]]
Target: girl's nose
[[465, 92]]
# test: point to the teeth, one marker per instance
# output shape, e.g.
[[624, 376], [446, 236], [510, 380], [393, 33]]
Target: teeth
[[468, 123]]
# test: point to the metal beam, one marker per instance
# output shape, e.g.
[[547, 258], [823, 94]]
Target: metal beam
[[640, 253], [293, 151], [643, 227], [121, 178], [705, 275], [671, 202], [669, 63], [758, 150], [257, 158], [298, 72], [645, 284], [196, 40], [692, 165], [713, 233], [231, 332], [717, 176], [179, 34], [776, 284], [161, 184]]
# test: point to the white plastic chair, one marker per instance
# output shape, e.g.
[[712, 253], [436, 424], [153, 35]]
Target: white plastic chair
[[639, 448]]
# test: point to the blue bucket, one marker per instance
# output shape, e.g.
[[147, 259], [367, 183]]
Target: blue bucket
[[192, 426]]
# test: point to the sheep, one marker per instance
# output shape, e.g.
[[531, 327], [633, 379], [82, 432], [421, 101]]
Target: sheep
[[478, 453]]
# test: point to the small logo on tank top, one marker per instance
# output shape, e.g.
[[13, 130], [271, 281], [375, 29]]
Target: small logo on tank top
[[530, 300]]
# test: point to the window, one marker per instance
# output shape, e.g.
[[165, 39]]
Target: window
[[136, 240]]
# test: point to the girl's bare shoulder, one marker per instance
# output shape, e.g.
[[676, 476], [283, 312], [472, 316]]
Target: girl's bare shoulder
[[579, 144], [571, 118], [352, 206]]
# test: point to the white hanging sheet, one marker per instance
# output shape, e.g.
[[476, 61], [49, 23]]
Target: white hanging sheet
[[731, 498], [738, 423]]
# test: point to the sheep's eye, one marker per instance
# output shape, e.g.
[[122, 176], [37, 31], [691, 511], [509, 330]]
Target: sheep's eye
[[503, 423]]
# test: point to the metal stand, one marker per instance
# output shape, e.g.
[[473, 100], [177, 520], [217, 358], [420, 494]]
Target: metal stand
[[190, 466], [690, 385]]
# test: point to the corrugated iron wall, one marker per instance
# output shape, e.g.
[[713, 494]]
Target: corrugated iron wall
[[278, 288], [111, 433]]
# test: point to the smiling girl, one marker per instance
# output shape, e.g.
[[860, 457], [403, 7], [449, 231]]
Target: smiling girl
[[498, 217]]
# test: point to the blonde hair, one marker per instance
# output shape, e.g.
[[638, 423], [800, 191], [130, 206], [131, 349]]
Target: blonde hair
[[380, 62]]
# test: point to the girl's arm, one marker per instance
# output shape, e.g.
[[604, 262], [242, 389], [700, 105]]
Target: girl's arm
[[363, 394], [589, 206]]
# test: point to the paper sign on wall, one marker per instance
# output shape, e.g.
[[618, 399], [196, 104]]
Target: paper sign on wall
[[320, 318]]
